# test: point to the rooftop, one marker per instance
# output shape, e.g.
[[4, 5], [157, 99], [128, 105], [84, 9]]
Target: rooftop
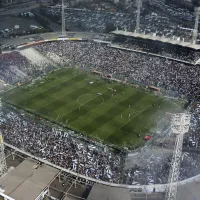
[[102, 192], [27, 180], [157, 38]]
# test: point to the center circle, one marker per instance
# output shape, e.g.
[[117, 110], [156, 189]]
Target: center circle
[[90, 100]]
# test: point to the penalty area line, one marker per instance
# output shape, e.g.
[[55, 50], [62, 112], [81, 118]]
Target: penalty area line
[[134, 117], [85, 102]]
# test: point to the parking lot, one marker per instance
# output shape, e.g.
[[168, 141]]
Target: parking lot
[[8, 23]]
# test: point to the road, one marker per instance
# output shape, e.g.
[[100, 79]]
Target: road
[[23, 7], [28, 6]]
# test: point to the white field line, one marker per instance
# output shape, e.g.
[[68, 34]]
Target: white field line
[[90, 99], [135, 112], [58, 85], [94, 98], [86, 102], [135, 116], [27, 93], [57, 117], [149, 124], [172, 102]]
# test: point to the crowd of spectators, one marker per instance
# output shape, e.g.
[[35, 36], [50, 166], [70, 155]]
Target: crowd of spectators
[[154, 168], [175, 77], [153, 164], [192, 140], [159, 48], [68, 149], [61, 147], [16, 68]]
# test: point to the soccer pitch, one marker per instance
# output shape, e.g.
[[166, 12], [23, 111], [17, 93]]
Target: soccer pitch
[[110, 111]]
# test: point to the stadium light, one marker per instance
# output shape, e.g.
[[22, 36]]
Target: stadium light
[[63, 19], [196, 26], [139, 5], [3, 166], [179, 126]]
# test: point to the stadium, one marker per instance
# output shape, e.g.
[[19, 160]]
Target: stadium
[[110, 112], [80, 106]]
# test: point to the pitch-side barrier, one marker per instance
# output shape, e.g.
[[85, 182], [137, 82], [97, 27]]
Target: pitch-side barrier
[[49, 40], [141, 188]]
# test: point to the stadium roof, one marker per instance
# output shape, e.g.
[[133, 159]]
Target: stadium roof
[[27, 181], [157, 38], [102, 192], [189, 191]]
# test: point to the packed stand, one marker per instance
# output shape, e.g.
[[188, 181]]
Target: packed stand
[[159, 48], [154, 168], [179, 79], [192, 139], [61, 147], [153, 164], [15, 68], [67, 149]]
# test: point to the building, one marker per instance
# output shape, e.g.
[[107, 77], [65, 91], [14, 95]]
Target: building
[[27, 181]]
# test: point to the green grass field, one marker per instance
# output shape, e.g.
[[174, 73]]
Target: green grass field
[[118, 116]]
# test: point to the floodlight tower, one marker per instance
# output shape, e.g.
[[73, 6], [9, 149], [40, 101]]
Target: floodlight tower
[[139, 5], [196, 26], [179, 126], [63, 18], [3, 166]]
